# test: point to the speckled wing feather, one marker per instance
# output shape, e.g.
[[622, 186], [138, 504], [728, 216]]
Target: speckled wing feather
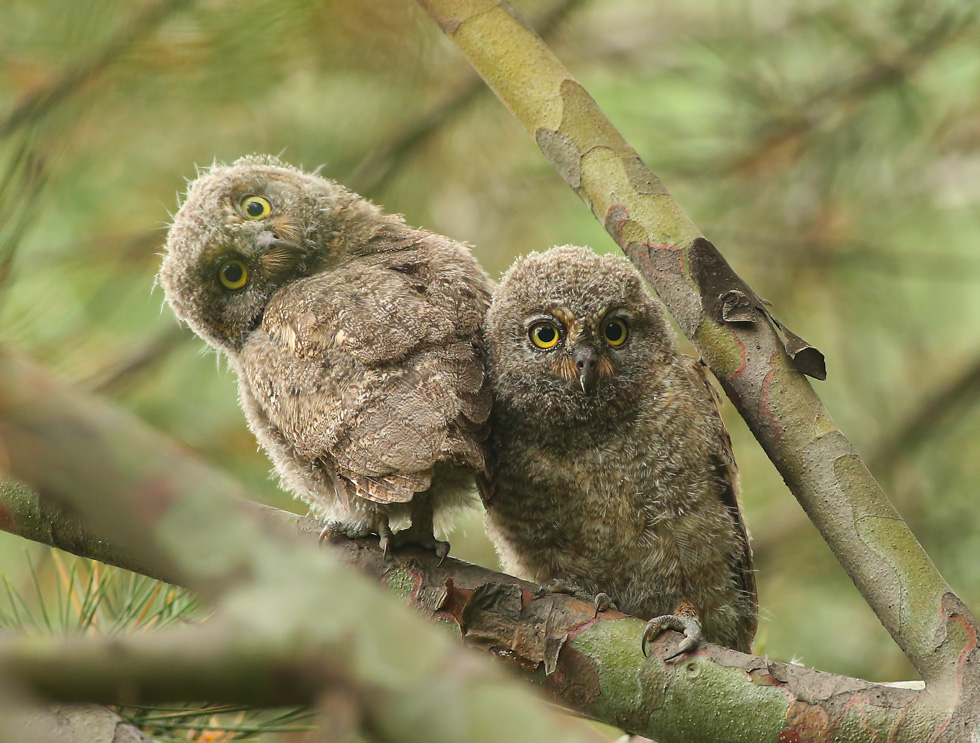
[[727, 471], [396, 385]]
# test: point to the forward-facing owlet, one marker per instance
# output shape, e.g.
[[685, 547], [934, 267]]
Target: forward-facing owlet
[[354, 338], [612, 469]]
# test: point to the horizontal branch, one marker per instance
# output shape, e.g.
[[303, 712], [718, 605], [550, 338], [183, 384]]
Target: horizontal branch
[[589, 663], [24, 513]]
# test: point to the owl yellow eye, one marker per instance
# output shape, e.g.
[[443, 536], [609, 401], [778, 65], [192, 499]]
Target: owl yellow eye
[[233, 274], [615, 332], [255, 207], [544, 335]]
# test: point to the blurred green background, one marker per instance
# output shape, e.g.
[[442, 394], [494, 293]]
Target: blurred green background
[[830, 149]]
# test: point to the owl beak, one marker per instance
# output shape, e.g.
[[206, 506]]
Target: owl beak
[[267, 240], [277, 255], [586, 366]]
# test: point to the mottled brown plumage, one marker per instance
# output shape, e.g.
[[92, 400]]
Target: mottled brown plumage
[[619, 480], [353, 335]]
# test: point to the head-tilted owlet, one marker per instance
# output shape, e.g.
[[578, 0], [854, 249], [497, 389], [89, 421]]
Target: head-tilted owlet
[[354, 338], [612, 469]]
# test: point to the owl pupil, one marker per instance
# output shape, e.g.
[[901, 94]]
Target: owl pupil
[[233, 273], [614, 332], [254, 209], [546, 334]]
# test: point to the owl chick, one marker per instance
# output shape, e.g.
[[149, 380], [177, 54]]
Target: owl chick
[[354, 338], [612, 469]]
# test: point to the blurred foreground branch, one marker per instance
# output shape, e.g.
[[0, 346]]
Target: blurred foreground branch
[[291, 624], [24, 720]]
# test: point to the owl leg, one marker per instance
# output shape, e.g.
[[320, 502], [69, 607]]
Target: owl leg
[[684, 620], [421, 532], [601, 601]]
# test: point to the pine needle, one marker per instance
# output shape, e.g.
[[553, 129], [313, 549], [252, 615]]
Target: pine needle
[[76, 596]]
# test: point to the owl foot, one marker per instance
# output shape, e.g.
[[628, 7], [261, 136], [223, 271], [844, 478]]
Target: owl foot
[[421, 538], [335, 530], [601, 601], [688, 625]]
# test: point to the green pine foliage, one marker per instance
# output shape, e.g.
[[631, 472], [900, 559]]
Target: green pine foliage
[[68, 596]]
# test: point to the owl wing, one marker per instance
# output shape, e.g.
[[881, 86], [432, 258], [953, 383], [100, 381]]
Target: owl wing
[[727, 472], [415, 417], [402, 374], [375, 315]]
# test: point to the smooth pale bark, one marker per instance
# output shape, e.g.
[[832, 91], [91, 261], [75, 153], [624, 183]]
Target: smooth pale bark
[[736, 336]]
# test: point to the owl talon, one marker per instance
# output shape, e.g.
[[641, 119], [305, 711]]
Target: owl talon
[[441, 550], [425, 541], [560, 585], [385, 540], [689, 626], [334, 530], [601, 600]]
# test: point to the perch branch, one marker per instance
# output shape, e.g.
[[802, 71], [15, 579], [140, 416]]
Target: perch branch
[[591, 664], [736, 337]]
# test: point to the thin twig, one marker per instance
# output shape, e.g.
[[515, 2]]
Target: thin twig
[[79, 73], [780, 133], [380, 166]]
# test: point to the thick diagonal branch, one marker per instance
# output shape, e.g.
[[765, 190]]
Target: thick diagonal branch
[[733, 334]]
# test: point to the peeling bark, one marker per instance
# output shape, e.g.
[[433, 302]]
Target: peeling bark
[[736, 336]]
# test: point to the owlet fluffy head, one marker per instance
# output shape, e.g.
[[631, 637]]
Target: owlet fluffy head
[[243, 231], [569, 334]]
